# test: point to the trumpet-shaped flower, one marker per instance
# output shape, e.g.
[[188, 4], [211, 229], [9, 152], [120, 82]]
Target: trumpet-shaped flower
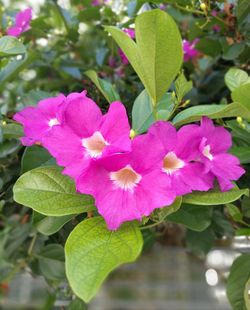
[[131, 192], [87, 136], [213, 147], [39, 120], [22, 23], [175, 155]]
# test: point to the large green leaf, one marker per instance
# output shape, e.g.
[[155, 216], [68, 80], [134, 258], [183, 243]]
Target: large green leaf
[[92, 252], [104, 86], [242, 95], [213, 111], [237, 281], [157, 54], [236, 77], [47, 191], [10, 46], [142, 112], [166, 211], [196, 218], [214, 197]]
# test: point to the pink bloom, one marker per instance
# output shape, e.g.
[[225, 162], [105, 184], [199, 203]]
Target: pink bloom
[[175, 153], [131, 192], [131, 34], [189, 49], [214, 13], [22, 23], [87, 136], [37, 121], [214, 144]]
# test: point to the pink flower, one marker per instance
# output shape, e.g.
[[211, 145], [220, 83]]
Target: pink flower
[[131, 34], [131, 192], [213, 147], [22, 23], [175, 155], [38, 121], [86, 136], [189, 49]]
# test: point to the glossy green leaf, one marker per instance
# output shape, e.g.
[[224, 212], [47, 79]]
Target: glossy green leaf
[[142, 112], [12, 131], [92, 252], [10, 46], [164, 212], [242, 95], [214, 197], [51, 262], [213, 111], [8, 147], [157, 54], [104, 86], [47, 191], [236, 77], [237, 281], [49, 225], [196, 218], [182, 86]]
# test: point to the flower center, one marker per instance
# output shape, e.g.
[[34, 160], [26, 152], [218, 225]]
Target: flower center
[[95, 144], [53, 122], [125, 178], [172, 163], [206, 152]]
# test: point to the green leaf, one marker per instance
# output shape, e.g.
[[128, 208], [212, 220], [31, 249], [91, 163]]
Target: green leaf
[[233, 51], [33, 157], [49, 225], [242, 152], [142, 112], [236, 77], [104, 86], [12, 131], [182, 86], [242, 10], [47, 191], [213, 111], [157, 54], [237, 281], [10, 46], [51, 262], [242, 95], [246, 294], [196, 218], [92, 252], [11, 70], [214, 197], [234, 212], [77, 304], [200, 242], [8, 147], [164, 212]]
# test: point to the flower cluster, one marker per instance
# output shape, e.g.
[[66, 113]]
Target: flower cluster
[[128, 178], [22, 23]]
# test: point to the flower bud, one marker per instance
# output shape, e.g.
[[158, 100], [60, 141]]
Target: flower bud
[[203, 6], [132, 134]]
